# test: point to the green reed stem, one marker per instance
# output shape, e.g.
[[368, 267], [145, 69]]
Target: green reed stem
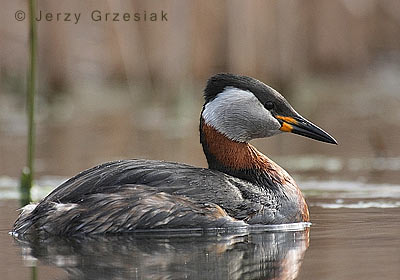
[[28, 171]]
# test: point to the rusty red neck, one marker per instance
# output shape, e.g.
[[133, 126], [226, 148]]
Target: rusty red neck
[[244, 161]]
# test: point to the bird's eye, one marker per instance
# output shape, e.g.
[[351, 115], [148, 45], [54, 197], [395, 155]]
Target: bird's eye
[[269, 105]]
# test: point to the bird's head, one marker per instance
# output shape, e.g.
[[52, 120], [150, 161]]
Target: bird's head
[[243, 108]]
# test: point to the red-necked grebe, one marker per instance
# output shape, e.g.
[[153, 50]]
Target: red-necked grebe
[[241, 186]]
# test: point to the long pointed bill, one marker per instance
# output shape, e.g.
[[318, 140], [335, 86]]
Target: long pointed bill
[[301, 126]]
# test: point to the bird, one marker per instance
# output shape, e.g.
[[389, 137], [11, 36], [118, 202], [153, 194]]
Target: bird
[[241, 187]]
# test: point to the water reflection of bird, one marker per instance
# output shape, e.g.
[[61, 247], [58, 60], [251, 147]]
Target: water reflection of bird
[[241, 186], [262, 255]]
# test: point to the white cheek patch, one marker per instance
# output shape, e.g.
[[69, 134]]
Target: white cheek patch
[[223, 102], [239, 115]]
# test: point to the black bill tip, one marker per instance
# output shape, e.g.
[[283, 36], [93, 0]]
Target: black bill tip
[[301, 126]]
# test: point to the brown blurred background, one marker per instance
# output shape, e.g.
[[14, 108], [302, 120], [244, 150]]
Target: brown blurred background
[[110, 90]]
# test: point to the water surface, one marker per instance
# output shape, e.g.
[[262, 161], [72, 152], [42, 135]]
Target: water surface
[[354, 235]]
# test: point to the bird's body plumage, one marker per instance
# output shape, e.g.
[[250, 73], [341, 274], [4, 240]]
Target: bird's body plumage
[[129, 195]]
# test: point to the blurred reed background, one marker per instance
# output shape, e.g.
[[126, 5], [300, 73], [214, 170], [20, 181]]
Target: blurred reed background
[[110, 90]]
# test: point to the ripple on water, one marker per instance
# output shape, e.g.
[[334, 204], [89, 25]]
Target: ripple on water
[[359, 204], [350, 189]]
